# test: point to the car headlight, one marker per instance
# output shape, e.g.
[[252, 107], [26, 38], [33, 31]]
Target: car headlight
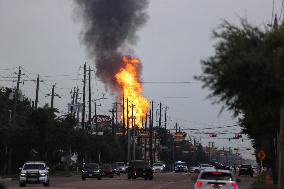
[[42, 174], [23, 174]]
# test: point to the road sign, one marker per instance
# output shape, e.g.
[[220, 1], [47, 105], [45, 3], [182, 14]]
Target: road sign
[[119, 134], [261, 155]]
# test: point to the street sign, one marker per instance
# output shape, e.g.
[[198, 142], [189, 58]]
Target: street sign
[[261, 155], [119, 134]]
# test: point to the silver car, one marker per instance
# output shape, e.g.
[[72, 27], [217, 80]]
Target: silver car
[[222, 179], [158, 167], [34, 172]]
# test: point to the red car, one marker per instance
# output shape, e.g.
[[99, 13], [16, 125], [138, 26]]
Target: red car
[[107, 170]]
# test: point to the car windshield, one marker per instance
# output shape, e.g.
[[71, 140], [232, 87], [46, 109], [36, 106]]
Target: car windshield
[[246, 166], [33, 166], [91, 166], [106, 166], [120, 164], [157, 164], [205, 165], [139, 164], [216, 176], [180, 164]]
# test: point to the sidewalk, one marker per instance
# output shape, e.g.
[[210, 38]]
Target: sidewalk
[[265, 181]]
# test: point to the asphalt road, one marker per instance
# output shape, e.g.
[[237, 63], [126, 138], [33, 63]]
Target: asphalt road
[[160, 181]]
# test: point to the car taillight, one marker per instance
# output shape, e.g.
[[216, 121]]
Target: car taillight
[[216, 173], [234, 185], [198, 184]]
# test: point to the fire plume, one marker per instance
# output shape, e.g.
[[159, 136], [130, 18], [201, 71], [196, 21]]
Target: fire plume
[[131, 89]]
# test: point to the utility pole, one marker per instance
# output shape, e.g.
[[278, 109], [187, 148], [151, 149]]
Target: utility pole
[[128, 133], [116, 113], [77, 104], [96, 118], [145, 140], [84, 95], [160, 116], [90, 99], [73, 92], [166, 117], [176, 127], [37, 89], [112, 121], [16, 96], [151, 134], [281, 148], [52, 97], [134, 134], [123, 116]]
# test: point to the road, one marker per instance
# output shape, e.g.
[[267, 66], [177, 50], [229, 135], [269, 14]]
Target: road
[[161, 181]]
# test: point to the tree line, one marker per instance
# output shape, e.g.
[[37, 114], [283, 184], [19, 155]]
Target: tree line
[[44, 135], [246, 75]]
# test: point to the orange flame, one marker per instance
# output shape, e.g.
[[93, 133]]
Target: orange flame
[[127, 78]]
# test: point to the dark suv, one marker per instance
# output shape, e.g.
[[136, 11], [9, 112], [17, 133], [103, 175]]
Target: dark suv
[[246, 170], [91, 170], [140, 168]]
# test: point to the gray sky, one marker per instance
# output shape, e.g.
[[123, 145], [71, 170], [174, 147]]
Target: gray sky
[[43, 36]]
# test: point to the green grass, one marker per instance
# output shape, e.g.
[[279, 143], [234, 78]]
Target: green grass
[[259, 184]]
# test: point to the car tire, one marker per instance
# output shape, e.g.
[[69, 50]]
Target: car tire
[[145, 178], [129, 176], [111, 176], [22, 184], [46, 183], [83, 178], [99, 178], [150, 177]]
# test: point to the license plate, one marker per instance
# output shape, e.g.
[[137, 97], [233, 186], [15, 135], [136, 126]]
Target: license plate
[[32, 179]]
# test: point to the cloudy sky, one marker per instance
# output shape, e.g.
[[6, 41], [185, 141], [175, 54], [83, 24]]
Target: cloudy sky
[[43, 36]]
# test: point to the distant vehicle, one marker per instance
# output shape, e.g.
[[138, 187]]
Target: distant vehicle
[[180, 166], [115, 169], [34, 172], [205, 166], [246, 169], [140, 168], [91, 170], [212, 179], [163, 163], [158, 167], [194, 169], [121, 166], [107, 170], [218, 165]]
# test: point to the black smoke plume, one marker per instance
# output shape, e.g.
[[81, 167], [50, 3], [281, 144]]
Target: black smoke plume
[[109, 28]]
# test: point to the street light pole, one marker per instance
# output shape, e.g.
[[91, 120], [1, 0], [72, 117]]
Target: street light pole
[[134, 134]]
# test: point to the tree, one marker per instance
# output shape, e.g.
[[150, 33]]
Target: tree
[[246, 74]]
